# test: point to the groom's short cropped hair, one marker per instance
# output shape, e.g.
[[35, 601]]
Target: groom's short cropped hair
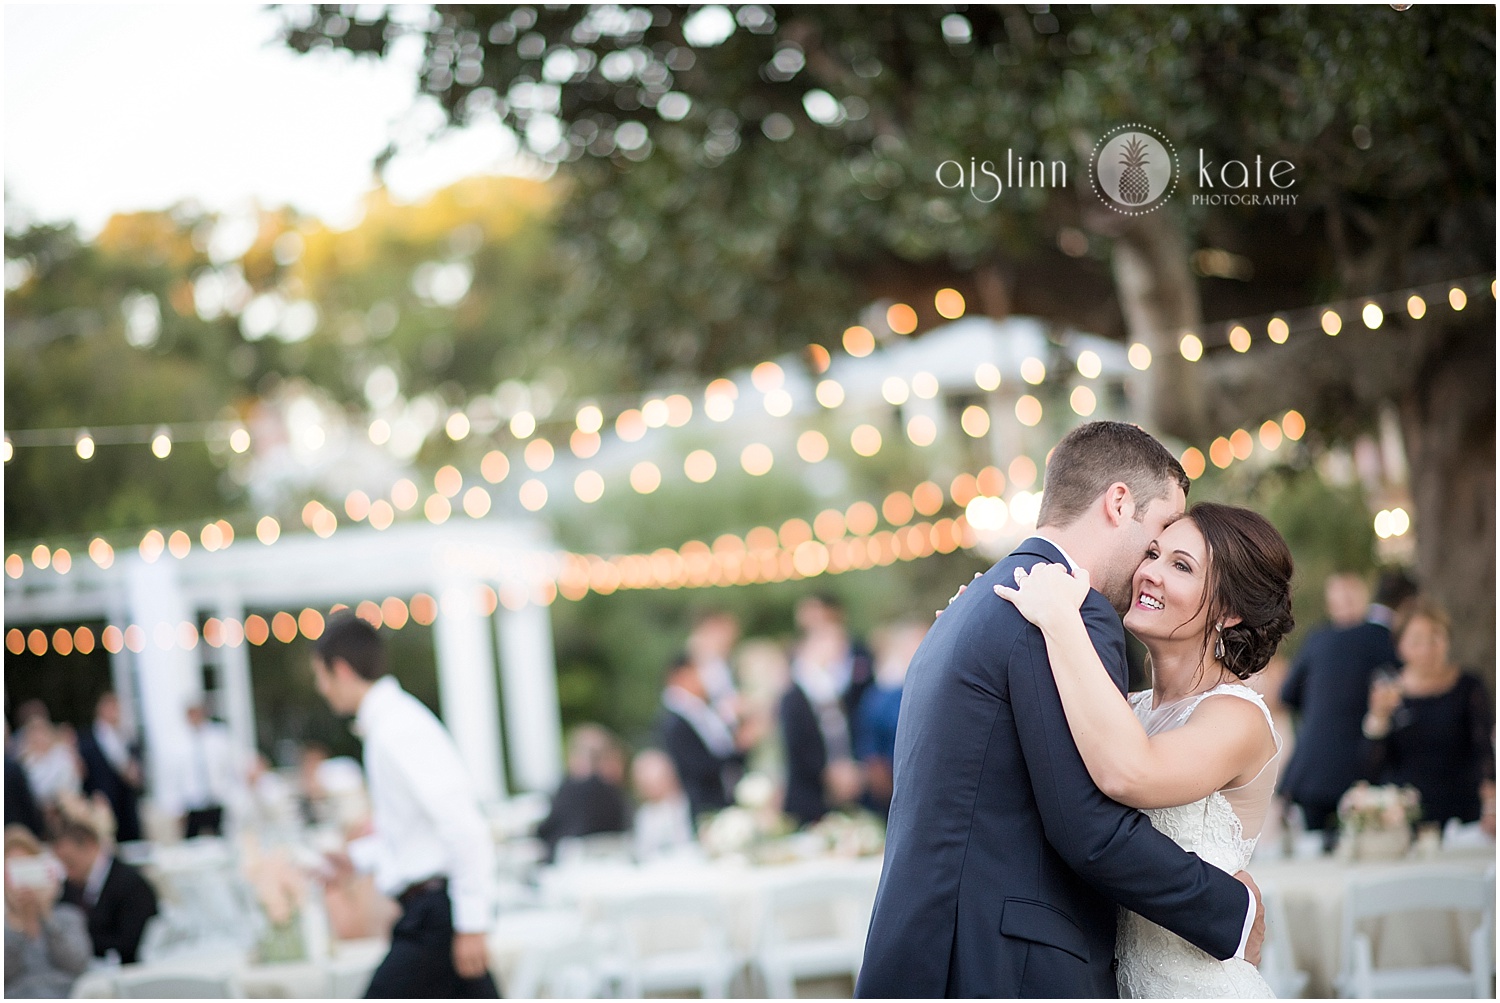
[[1092, 457]]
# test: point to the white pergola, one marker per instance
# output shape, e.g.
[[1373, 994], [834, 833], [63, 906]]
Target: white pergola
[[451, 562]]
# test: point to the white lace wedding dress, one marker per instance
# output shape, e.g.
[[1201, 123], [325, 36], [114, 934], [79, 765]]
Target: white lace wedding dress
[[1155, 963]]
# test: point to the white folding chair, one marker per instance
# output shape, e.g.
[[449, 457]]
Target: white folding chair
[[813, 929], [161, 982], [1278, 965], [668, 942], [1424, 889]]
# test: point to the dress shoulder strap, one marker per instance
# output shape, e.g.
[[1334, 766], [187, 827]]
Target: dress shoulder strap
[[1246, 693]]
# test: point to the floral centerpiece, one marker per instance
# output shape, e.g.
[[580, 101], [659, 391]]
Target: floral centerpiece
[[746, 826], [755, 827], [1375, 822]]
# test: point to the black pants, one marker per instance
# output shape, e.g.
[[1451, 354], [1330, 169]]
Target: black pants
[[204, 822], [420, 963]]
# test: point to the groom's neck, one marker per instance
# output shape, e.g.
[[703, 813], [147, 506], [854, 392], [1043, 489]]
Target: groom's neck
[[1081, 543]]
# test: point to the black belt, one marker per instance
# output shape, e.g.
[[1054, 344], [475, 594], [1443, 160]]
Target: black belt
[[421, 888]]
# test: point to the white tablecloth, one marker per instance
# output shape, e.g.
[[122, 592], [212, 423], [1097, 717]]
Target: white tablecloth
[[1313, 894]]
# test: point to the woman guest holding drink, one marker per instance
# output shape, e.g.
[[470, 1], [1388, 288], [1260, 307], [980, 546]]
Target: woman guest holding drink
[[1431, 726]]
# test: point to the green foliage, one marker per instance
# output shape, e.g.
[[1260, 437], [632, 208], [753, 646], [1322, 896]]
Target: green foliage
[[730, 198]]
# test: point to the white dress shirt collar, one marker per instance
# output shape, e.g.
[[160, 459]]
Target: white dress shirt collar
[[98, 874], [383, 694], [1067, 557], [702, 718], [112, 744]]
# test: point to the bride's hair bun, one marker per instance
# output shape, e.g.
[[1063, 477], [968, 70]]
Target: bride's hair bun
[[1250, 577]]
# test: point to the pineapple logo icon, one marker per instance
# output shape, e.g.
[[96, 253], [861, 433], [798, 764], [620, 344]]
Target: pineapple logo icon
[[1134, 169]]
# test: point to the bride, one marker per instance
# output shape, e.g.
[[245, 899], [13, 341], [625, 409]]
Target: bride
[[1211, 601]]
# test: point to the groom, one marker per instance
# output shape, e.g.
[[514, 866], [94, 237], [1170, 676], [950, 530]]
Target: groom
[[1003, 861]]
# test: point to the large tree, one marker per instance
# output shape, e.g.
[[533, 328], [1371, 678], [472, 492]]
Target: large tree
[[743, 180]]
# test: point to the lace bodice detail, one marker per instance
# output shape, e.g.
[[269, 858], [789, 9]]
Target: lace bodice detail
[[1156, 963], [1214, 827]]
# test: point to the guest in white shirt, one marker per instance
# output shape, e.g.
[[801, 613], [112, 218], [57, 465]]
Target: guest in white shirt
[[662, 822], [208, 780], [430, 849]]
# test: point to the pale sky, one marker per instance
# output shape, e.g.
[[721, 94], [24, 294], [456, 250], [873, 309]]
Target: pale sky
[[128, 107]]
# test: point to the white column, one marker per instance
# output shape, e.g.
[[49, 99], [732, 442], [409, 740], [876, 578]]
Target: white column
[[169, 676], [532, 719], [122, 674], [466, 685], [237, 703]]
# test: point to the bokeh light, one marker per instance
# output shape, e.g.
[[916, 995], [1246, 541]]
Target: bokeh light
[[1028, 410], [700, 466], [812, 446], [901, 318], [645, 477], [865, 440], [858, 341], [949, 303]]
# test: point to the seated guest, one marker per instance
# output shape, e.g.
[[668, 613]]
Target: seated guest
[[46, 942], [589, 801], [662, 821], [111, 767], [703, 750], [111, 893], [1431, 726]]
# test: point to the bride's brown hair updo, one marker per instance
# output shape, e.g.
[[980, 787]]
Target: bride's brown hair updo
[[1250, 576]]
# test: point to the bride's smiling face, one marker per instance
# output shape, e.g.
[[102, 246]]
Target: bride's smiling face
[[1167, 599]]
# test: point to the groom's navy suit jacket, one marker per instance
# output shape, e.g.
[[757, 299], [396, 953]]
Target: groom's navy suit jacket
[[1003, 861]]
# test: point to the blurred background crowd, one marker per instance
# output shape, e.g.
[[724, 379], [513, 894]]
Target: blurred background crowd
[[792, 730]]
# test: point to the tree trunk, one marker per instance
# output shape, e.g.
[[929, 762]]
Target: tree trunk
[[1159, 299], [1448, 421]]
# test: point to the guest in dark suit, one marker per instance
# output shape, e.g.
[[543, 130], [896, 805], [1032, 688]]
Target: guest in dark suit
[[1004, 863], [821, 620], [111, 767], [590, 800], [1329, 687], [816, 731], [112, 894], [705, 753]]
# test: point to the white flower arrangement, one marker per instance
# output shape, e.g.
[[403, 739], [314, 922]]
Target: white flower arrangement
[[1364, 808]]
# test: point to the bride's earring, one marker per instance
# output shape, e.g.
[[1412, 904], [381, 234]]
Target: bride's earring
[[1219, 643]]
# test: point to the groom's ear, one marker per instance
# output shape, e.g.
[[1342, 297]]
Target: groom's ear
[[1119, 503]]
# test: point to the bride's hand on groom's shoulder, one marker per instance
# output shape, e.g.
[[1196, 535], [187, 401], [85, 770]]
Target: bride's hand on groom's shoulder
[[1047, 593]]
